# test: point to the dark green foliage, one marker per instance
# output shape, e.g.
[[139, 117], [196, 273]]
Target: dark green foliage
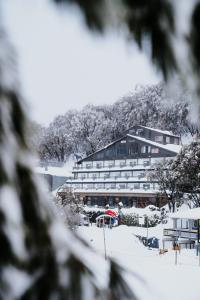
[[16, 115], [194, 38], [118, 286], [93, 12], [145, 19], [152, 21]]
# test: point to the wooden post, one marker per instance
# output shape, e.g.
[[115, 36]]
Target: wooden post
[[104, 239], [176, 257]]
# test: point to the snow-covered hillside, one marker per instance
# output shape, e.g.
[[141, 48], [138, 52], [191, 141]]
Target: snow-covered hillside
[[162, 278]]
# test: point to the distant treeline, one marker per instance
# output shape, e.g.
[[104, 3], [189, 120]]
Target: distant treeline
[[81, 132]]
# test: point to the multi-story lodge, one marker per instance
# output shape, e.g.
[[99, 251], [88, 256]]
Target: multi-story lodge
[[119, 171]]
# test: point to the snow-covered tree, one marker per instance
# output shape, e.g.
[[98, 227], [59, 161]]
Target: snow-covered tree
[[186, 167], [93, 127], [167, 181], [57, 139]]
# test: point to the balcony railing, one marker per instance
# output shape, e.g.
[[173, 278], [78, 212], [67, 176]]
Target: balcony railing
[[111, 178], [180, 232], [117, 188], [112, 166]]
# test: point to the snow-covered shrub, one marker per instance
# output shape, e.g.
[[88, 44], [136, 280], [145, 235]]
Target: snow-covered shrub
[[130, 219], [151, 221], [68, 206]]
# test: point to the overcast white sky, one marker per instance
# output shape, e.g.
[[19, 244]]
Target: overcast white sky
[[63, 66]]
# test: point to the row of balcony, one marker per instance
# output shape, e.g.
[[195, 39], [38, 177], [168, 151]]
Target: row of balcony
[[112, 165], [130, 189], [112, 177], [137, 186]]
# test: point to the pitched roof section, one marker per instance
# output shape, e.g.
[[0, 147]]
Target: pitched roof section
[[169, 147], [105, 147], [161, 131]]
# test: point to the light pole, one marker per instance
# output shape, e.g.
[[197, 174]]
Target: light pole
[[147, 228], [104, 239]]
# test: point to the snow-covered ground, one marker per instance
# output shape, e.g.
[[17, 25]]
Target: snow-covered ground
[[162, 278]]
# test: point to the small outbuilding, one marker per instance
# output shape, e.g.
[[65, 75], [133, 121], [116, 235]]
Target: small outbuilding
[[186, 227]]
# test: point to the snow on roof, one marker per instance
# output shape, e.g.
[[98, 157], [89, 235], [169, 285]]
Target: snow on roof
[[159, 130], [169, 147], [193, 214], [55, 171]]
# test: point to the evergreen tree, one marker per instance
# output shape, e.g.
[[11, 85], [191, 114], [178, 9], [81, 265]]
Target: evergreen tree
[[40, 258]]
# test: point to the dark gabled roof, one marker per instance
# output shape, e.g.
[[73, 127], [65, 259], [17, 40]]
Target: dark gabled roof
[[105, 147], [169, 147]]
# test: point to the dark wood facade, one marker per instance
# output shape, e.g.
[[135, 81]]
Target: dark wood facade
[[129, 148]]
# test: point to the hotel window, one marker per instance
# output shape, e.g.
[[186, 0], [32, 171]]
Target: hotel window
[[122, 148], [115, 174], [109, 153], [93, 175], [145, 149], [83, 175], [146, 163], [154, 150], [130, 185], [122, 185], [89, 185], [136, 185], [88, 165], [77, 186], [99, 165], [108, 186], [106, 175], [100, 155], [99, 185], [126, 174], [167, 139], [176, 141], [133, 148], [159, 138], [136, 173], [146, 186]]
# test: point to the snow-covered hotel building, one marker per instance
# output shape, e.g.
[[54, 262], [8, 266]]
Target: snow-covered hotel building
[[119, 171]]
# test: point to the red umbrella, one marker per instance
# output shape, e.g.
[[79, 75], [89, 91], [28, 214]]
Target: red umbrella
[[111, 213]]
